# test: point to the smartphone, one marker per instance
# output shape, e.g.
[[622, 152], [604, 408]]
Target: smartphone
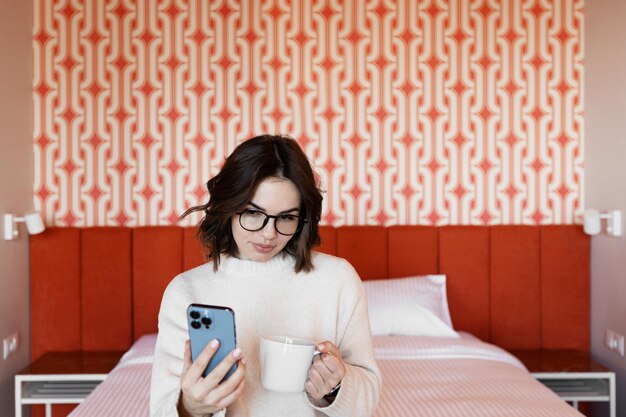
[[206, 323]]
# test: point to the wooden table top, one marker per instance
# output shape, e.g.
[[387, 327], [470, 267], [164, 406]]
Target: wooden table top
[[74, 362], [557, 360]]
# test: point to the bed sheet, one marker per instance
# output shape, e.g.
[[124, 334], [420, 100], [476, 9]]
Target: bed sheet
[[422, 377], [126, 390], [464, 377]]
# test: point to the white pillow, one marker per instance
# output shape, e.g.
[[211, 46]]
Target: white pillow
[[412, 306]]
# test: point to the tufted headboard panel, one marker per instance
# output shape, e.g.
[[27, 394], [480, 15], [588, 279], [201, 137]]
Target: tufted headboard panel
[[516, 286]]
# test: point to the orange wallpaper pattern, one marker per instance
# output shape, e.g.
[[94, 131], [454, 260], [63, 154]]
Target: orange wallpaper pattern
[[430, 112]]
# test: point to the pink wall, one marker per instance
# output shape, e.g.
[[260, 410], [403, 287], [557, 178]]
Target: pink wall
[[16, 182], [447, 112], [605, 175]]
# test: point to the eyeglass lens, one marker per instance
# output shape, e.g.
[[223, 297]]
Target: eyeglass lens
[[254, 220]]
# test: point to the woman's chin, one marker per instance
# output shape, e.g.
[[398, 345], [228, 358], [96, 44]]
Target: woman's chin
[[256, 256]]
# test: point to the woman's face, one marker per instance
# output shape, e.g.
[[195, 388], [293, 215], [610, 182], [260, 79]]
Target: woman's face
[[273, 196]]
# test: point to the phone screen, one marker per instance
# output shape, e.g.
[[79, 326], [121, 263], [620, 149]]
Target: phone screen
[[208, 322]]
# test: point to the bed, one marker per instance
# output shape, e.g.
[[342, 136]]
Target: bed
[[506, 287], [424, 376]]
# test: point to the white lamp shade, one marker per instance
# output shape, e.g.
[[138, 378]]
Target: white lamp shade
[[34, 223], [592, 222]]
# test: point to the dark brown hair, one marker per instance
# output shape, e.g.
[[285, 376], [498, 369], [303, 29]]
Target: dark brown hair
[[232, 189]]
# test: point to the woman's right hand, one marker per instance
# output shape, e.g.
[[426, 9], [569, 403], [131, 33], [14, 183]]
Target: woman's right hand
[[205, 395]]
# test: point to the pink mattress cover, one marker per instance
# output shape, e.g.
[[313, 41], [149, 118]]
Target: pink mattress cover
[[422, 377]]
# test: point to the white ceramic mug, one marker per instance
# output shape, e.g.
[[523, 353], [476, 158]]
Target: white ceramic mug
[[285, 362]]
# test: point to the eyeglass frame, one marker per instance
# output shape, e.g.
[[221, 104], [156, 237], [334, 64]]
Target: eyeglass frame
[[301, 221]]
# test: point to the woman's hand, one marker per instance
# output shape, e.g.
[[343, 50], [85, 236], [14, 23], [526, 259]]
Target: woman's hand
[[205, 395], [326, 372]]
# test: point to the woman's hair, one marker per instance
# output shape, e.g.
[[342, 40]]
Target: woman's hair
[[232, 189]]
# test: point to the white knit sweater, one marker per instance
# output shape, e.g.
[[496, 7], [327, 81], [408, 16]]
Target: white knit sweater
[[269, 298]]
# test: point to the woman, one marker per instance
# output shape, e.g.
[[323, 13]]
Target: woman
[[259, 228]]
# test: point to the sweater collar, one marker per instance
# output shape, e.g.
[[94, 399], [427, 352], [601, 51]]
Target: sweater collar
[[237, 266]]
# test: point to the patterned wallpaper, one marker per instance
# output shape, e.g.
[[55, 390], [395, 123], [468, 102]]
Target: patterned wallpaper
[[413, 112]]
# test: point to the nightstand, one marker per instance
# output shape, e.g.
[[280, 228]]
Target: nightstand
[[62, 378], [572, 374]]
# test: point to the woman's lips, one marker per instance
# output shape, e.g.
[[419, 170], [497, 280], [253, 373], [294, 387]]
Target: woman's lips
[[263, 248]]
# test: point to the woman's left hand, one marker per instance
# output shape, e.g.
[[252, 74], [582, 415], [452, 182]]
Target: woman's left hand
[[326, 372]]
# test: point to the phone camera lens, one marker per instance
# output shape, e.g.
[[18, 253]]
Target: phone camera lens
[[194, 315], [195, 324], [206, 321]]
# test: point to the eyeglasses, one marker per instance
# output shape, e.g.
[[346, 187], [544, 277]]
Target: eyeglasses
[[255, 220]]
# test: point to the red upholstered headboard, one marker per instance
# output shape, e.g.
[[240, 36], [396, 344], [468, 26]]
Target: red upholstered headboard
[[515, 286]]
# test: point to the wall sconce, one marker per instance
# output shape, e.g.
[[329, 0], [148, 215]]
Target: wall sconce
[[34, 224], [592, 222]]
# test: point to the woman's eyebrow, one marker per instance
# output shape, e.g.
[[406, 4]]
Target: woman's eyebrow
[[263, 210]]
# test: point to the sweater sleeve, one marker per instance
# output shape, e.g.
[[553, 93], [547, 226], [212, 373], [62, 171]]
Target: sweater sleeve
[[168, 354], [360, 387]]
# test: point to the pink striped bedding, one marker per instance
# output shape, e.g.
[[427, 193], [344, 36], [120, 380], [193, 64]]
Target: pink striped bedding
[[422, 377], [434, 377], [126, 390]]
